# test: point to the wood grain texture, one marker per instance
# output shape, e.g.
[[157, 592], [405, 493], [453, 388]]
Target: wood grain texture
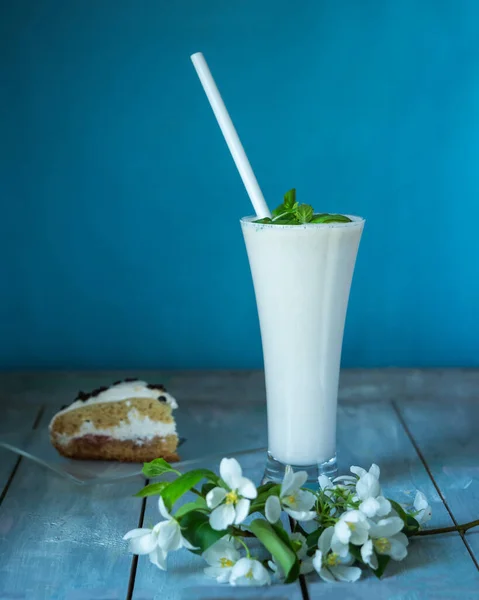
[[372, 433], [447, 435], [60, 541], [14, 418]]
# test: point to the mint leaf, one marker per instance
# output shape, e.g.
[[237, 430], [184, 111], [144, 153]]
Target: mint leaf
[[157, 467], [292, 213], [304, 213], [279, 210], [327, 218], [198, 504], [319, 217], [196, 528], [184, 483], [288, 219], [289, 199], [275, 543], [154, 489]]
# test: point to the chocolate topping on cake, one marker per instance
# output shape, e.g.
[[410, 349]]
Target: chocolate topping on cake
[[156, 386], [84, 396], [98, 391]]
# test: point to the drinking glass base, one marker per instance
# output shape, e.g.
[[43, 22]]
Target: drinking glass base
[[275, 470]]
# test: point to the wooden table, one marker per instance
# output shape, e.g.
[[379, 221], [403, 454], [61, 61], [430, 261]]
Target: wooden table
[[60, 541]]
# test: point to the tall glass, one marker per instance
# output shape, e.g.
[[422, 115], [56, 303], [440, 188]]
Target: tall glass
[[302, 276]]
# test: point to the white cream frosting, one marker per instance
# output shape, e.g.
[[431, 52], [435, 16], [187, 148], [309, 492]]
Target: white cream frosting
[[138, 428], [122, 391]]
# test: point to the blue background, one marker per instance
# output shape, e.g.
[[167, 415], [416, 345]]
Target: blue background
[[119, 237]]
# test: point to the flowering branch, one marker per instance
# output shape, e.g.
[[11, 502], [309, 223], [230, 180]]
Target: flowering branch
[[453, 528], [344, 527]]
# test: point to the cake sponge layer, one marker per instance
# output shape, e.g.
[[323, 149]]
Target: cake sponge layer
[[94, 447]]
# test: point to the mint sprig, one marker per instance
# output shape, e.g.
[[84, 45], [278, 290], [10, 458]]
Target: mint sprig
[[292, 213]]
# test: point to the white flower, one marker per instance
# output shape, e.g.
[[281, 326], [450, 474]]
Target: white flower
[[230, 506], [375, 507], [221, 557], [296, 502], [248, 571], [157, 542], [360, 472], [352, 527], [368, 556], [422, 506], [325, 483], [329, 565], [367, 485], [386, 538]]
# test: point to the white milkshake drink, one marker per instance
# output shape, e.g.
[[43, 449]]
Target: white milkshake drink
[[302, 276]]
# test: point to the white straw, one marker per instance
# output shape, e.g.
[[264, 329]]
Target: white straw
[[230, 135]]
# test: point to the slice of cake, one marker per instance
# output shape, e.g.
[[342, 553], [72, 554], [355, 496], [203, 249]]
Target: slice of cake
[[130, 421]]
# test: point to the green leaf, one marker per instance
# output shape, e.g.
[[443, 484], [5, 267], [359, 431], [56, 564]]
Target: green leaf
[[282, 534], [264, 492], [318, 217], [157, 467], [197, 530], [289, 199], [184, 483], [281, 551], [410, 523], [265, 220], [356, 552], [198, 504], [154, 489], [328, 218], [279, 210], [304, 213], [267, 487], [288, 219], [312, 540], [207, 487], [383, 561]]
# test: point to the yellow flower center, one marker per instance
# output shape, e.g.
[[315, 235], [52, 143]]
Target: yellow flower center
[[332, 560], [249, 574], [352, 526], [297, 545], [231, 497], [291, 500], [382, 544], [226, 562]]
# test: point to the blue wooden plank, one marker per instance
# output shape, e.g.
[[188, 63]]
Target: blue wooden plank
[[436, 567], [13, 418], [60, 541], [447, 434]]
